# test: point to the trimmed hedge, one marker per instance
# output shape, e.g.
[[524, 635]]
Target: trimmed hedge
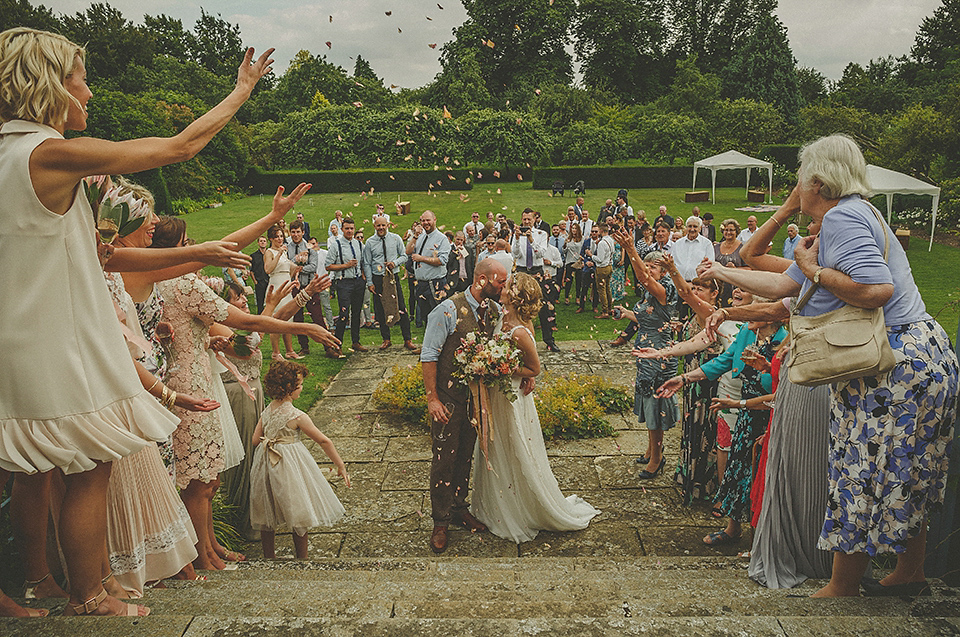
[[787, 155], [633, 177], [259, 182]]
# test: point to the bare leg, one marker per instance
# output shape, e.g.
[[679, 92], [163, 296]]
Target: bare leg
[[267, 541], [83, 534], [196, 498], [721, 463], [29, 512], [275, 346], [655, 449], [300, 545], [910, 562], [848, 569], [109, 581], [187, 573], [9, 608], [288, 343]]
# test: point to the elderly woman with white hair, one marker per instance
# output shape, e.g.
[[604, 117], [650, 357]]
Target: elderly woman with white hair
[[889, 433]]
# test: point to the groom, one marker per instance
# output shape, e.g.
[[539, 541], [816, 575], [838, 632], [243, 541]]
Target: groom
[[447, 400]]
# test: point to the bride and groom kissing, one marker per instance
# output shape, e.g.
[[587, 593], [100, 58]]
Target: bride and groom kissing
[[515, 492]]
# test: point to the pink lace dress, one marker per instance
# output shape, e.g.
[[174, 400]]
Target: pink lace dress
[[192, 307]]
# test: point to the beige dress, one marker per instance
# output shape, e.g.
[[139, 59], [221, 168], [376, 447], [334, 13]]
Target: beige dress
[[192, 307], [149, 533], [69, 393]]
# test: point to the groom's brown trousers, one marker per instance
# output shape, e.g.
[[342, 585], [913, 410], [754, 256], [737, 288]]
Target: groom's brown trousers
[[454, 441]]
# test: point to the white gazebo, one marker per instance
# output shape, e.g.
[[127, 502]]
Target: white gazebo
[[884, 181], [731, 160]]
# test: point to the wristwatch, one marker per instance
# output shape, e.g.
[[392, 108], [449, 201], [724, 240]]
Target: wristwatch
[[816, 276], [743, 403]]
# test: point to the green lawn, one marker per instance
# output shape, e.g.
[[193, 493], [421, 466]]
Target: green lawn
[[935, 271]]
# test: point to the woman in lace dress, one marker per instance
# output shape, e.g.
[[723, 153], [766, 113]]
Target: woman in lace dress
[[517, 495], [192, 307], [278, 266]]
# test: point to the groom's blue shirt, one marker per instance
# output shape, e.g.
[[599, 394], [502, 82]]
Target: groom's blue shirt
[[441, 323]]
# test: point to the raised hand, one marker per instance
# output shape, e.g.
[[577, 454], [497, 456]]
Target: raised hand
[[670, 387], [274, 296], [713, 322], [646, 352], [318, 284], [282, 205], [251, 71], [321, 335], [222, 254]]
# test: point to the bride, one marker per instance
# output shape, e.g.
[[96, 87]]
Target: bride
[[518, 495]]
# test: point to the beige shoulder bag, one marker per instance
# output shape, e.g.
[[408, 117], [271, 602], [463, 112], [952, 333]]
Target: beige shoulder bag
[[846, 343]]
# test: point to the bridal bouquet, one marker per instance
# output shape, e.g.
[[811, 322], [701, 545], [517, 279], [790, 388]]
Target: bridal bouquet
[[487, 361], [482, 363]]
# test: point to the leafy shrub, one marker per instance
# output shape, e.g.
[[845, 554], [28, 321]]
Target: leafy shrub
[[402, 394], [574, 406]]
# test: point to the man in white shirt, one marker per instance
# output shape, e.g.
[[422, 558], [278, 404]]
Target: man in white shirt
[[690, 250], [333, 230], [603, 260], [748, 232], [586, 223], [322, 271], [473, 223], [529, 245], [501, 252]]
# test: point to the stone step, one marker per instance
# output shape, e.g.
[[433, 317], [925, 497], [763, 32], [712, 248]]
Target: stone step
[[189, 626]]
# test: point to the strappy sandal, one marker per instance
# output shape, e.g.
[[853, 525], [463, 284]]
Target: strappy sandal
[[719, 538], [92, 604], [233, 556], [30, 587], [33, 613]]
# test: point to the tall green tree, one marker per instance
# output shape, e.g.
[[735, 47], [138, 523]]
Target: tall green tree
[[217, 45], [620, 46], [519, 45], [20, 13], [113, 43], [712, 30], [938, 38], [763, 68], [170, 38], [363, 71]]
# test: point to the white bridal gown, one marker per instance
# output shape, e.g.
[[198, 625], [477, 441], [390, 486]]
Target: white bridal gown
[[519, 496]]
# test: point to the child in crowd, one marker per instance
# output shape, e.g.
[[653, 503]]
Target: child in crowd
[[287, 487]]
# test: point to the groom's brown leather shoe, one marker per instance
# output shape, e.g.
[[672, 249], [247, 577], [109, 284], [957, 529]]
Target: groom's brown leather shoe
[[438, 541], [467, 520]]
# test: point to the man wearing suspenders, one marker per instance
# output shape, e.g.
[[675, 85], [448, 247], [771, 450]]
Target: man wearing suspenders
[[343, 261], [429, 253]]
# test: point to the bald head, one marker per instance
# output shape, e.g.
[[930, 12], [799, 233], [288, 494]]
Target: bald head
[[489, 270]]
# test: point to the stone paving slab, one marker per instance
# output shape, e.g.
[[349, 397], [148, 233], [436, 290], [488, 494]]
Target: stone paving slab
[[407, 448], [416, 544], [351, 449], [155, 625], [627, 443], [600, 538], [321, 544], [404, 476], [355, 386], [665, 540]]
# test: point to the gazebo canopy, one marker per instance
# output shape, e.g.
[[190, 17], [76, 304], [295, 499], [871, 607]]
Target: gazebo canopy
[[884, 181], [730, 160]]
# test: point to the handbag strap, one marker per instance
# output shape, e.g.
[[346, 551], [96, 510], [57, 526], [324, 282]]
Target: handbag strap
[[886, 251]]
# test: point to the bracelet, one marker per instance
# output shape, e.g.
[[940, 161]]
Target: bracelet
[[683, 379], [776, 221], [726, 314], [302, 298], [155, 381]]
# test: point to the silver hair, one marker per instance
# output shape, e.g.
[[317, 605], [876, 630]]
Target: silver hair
[[794, 226], [695, 219], [656, 255], [837, 162]]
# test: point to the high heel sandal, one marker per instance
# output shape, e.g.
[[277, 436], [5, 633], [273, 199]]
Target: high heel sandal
[[30, 587], [92, 604], [277, 356]]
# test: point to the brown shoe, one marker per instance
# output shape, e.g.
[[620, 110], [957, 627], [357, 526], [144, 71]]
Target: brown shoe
[[384, 345], [467, 520], [410, 346], [334, 353], [438, 540], [357, 347], [619, 342]]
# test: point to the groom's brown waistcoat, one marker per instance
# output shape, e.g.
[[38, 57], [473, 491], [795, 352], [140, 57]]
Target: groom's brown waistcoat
[[456, 392]]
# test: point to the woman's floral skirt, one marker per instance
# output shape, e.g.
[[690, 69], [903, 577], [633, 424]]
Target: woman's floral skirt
[[890, 443]]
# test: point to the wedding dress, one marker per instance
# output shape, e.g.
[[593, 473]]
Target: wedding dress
[[518, 495]]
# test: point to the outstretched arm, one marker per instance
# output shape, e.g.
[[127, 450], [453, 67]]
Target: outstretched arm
[[754, 253], [306, 425], [768, 284]]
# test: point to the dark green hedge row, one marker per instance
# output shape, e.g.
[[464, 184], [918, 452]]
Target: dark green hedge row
[[633, 177], [259, 182], [787, 155]]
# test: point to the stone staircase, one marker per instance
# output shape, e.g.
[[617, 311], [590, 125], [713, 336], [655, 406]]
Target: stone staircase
[[640, 568], [663, 596]]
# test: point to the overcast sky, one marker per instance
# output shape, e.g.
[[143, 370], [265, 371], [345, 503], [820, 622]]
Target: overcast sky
[[824, 34]]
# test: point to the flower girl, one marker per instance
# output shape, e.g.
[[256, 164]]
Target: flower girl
[[287, 487]]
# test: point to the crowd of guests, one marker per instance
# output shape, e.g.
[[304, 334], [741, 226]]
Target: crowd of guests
[[159, 400]]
